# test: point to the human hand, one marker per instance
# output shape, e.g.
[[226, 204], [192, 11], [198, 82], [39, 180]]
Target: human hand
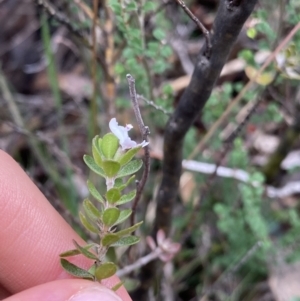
[[32, 235]]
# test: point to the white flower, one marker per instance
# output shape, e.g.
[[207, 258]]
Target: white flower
[[121, 133]]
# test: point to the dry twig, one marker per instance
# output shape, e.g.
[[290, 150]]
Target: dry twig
[[145, 133], [200, 25], [152, 104]]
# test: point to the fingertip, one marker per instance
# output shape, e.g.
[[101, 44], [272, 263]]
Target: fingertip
[[68, 290], [33, 234]]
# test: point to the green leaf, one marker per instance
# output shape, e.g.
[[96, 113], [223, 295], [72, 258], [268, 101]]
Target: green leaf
[[117, 8], [109, 145], [111, 168], [96, 152], [75, 270], [109, 239], [90, 162], [113, 195], [251, 33], [159, 34], [94, 192], [124, 214], [129, 155], [130, 168], [131, 6], [75, 251], [92, 269], [110, 216], [128, 230], [149, 6], [127, 197], [159, 66], [87, 224], [126, 241], [84, 251], [167, 89], [105, 270], [119, 183], [166, 51], [91, 211]]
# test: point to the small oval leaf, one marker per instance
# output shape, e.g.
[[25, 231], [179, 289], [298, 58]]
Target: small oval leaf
[[109, 145], [75, 251], [124, 214], [92, 212], [119, 183], [109, 239], [128, 230], [126, 197], [110, 216], [75, 270], [111, 168], [90, 162], [126, 241], [130, 168], [113, 195], [124, 159], [94, 192], [105, 270], [96, 152], [92, 269], [84, 251], [87, 224]]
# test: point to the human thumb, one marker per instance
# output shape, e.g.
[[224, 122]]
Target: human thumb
[[68, 290]]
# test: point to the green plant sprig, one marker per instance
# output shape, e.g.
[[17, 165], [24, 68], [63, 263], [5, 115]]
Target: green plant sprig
[[113, 159]]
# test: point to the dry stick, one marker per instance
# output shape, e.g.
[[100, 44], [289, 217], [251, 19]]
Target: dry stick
[[145, 133], [86, 9], [154, 105], [238, 98], [199, 24], [139, 263], [226, 27]]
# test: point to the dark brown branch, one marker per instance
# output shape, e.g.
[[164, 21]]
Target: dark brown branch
[[145, 133], [228, 23], [227, 26], [200, 25]]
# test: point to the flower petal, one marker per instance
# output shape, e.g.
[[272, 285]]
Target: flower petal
[[174, 248], [121, 133], [160, 237], [165, 257], [127, 143], [151, 243]]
